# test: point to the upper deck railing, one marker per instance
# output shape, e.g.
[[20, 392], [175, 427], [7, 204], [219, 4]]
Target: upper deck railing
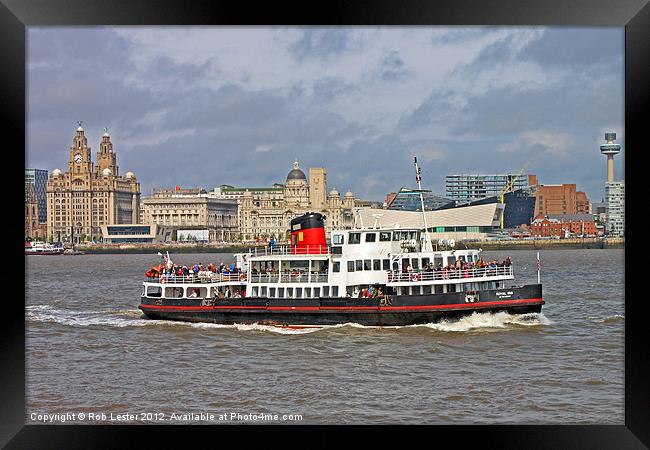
[[290, 250], [449, 274], [203, 278]]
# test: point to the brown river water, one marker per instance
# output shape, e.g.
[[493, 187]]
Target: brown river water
[[91, 357]]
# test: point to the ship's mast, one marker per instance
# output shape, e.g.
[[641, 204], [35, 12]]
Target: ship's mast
[[418, 178]]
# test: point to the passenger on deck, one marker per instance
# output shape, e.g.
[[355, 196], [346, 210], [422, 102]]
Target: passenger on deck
[[380, 294]]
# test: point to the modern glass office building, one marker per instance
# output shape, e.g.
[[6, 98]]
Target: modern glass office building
[[37, 178], [467, 188]]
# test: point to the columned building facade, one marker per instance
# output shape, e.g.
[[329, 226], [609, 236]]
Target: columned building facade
[[192, 209], [90, 195], [266, 212]]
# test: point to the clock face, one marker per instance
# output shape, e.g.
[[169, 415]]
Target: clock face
[[78, 158]]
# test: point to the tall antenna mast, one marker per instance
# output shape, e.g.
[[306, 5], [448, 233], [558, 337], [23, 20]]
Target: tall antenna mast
[[418, 178]]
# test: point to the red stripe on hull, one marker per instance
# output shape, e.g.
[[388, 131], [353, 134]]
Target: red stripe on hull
[[478, 305]]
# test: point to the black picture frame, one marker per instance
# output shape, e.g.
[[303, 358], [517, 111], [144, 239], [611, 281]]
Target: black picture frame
[[634, 15]]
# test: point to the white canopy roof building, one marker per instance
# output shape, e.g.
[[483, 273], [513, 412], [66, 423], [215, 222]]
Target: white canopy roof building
[[468, 222]]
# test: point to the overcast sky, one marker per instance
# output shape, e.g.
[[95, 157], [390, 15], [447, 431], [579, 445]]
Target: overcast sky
[[204, 106]]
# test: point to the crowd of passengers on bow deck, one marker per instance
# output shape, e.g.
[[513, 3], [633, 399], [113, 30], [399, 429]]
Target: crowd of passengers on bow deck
[[174, 270]]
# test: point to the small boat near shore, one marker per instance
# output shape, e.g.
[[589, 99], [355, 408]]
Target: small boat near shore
[[372, 276], [43, 248]]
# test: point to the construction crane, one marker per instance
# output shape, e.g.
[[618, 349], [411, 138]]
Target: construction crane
[[509, 187]]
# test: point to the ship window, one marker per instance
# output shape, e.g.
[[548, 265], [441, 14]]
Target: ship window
[[386, 264], [371, 237], [271, 292], [437, 260], [404, 290], [263, 291], [415, 290], [336, 267], [384, 236], [350, 266], [395, 265], [326, 291], [358, 265], [366, 264], [255, 291], [426, 289], [376, 264], [174, 292], [299, 292], [451, 288], [338, 239], [425, 261], [280, 292], [462, 258], [355, 238], [335, 291], [451, 259], [307, 292], [414, 263], [316, 292], [438, 288], [289, 292], [154, 291]]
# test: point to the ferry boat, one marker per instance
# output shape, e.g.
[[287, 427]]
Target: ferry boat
[[314, 283], [42, 248]]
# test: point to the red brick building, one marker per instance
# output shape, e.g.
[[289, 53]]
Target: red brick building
[[560, 199], [563, 225]]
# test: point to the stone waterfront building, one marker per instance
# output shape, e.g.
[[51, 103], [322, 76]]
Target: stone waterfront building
[[266, 212], [89, 195], [192, 209]]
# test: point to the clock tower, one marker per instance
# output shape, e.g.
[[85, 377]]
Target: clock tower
[[79, 165]]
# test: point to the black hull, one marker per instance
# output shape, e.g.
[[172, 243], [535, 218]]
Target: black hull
[[399, 311]]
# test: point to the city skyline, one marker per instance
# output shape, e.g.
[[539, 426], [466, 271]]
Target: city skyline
[[205, 106]]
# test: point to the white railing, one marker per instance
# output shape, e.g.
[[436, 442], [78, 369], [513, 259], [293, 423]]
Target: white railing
[[205, 278], [448, 274], [290, 250], [289, 277]]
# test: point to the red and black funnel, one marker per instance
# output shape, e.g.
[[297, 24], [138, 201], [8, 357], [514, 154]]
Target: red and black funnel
[[308, 234]]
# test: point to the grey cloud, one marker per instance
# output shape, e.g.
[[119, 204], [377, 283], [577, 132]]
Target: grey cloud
[[461, 35], [392, 67], [205, 136], [320, 43], [327, 89]]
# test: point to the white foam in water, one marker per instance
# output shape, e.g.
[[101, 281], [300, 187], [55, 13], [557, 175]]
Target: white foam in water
[[133, 318], [489, 320], [608, 319]]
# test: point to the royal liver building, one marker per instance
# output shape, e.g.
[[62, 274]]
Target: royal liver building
[[266, 212], [90, 194]]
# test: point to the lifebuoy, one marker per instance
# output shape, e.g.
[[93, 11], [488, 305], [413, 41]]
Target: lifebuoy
[[415, 277]]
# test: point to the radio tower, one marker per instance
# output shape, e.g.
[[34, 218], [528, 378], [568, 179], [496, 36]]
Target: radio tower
[[610, 149]]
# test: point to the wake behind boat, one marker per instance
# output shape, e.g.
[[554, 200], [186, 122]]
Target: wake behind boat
[[369, 276]]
